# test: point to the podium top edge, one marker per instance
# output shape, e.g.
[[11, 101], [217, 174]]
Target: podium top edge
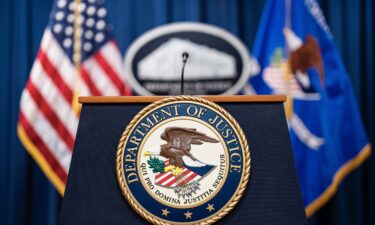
[[150, 99]]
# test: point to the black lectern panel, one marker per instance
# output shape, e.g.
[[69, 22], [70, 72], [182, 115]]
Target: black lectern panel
[[93, 195]]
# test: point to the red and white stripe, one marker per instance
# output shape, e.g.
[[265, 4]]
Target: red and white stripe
[[275, 78], [46, 114], [169, 180]]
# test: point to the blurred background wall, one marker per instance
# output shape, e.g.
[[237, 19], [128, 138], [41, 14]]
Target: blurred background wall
[[27, 197]]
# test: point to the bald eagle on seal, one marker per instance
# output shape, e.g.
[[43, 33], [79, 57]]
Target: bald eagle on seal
[[178, 146]]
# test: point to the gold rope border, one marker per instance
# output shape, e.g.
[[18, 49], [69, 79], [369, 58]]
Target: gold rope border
[[344, 170], [235, 198]]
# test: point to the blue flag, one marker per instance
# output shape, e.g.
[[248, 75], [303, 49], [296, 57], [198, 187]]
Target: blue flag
[[297, 57]]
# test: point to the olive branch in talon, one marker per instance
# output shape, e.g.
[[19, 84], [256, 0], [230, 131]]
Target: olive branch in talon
[[158, 166]]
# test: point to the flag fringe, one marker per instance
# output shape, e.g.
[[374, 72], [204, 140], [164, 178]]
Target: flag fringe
[[344, 170], [40, 160]]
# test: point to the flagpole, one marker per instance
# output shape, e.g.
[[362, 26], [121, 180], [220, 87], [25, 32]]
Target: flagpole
[[288, 72], [77, 56], [288, 13]]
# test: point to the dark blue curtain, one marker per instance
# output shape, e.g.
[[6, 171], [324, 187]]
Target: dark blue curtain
[[27, 197]]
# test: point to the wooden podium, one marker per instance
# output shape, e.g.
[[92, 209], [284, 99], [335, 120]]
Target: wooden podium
[[93, 195]]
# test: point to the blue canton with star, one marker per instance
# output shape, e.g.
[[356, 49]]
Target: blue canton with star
[[94, 29]]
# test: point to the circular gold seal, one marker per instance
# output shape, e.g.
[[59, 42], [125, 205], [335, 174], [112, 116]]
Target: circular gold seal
[[183, 160]]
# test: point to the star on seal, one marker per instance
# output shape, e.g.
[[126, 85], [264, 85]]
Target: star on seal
[[165, 212], [210, 207], [188, 215]]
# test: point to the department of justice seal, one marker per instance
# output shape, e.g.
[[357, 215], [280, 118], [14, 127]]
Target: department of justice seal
[[183, 160]]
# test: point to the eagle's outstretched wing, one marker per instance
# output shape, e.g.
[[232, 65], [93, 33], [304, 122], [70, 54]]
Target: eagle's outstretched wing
[[179, 141], [307, 56], [183, 138]]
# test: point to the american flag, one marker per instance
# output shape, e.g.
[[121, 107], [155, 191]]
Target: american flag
[[47, 120]]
